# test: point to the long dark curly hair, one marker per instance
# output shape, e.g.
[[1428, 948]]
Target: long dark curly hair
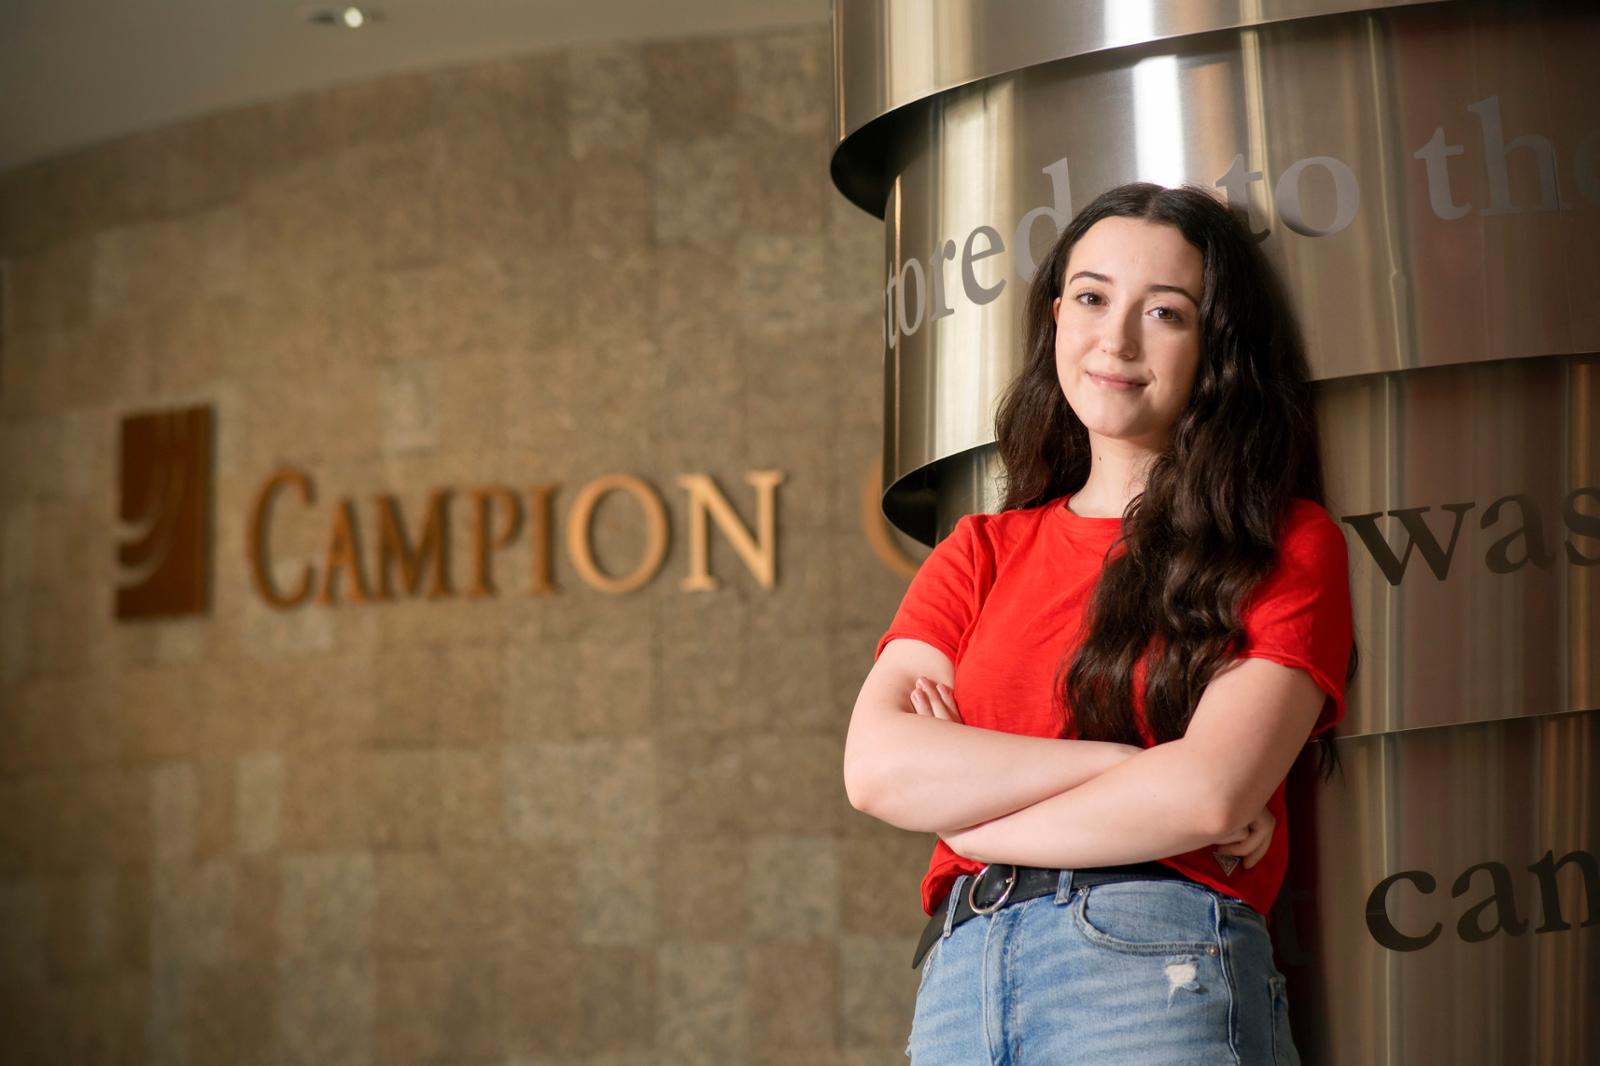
[[1202, 534]]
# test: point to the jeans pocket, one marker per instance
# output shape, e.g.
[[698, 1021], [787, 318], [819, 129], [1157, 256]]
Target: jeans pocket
[[1149, 918], [1283, 1049], [1237, 910], [922, 982], [927, 964]]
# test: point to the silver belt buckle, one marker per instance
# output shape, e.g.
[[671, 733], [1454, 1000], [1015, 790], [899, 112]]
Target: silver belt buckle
[[1004, 895]]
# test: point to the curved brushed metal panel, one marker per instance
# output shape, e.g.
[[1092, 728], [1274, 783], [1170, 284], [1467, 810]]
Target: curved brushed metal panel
[[1442, 903], [1425, 187], [1470, 500], [891, 53]]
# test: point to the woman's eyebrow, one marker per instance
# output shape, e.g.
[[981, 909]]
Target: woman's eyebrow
[[1154, 288]]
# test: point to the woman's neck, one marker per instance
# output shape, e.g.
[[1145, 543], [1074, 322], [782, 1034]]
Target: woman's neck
[[1116, 476]]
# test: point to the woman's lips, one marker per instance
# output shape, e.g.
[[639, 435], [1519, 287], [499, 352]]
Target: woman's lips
[[1114, 384]]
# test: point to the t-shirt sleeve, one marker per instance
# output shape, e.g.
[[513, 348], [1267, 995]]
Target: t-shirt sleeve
[[1300, 615], [941, 601]]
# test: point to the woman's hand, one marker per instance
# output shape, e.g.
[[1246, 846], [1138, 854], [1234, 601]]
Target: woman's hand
[[1249, 843], [935, 700]]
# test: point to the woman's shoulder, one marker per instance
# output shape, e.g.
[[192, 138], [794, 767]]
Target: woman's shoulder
[[1309, 532], [1007, 525], [997, 533], [1308, 518]]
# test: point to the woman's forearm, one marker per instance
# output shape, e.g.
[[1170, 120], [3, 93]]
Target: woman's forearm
[[934, 775], [1154, 805]]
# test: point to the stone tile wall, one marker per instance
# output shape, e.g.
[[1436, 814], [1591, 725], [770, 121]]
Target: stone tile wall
[[583, 828]]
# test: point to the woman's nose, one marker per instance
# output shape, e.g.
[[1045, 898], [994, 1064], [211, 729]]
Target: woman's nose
[[1119, 337]]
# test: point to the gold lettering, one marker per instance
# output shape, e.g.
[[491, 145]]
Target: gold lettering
[[344, 553], [539, 526], [482, 551], [876, 527], [260, 562], [426, 562], [578, 528], [394, 545], [759, 553]]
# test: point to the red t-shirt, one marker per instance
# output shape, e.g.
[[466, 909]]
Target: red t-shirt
[[1004, 593]]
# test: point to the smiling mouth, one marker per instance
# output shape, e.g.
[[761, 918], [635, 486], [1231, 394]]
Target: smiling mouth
[[1114, 383]]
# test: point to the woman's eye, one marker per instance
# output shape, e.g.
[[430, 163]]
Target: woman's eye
[[1173, 316], [1081, 295]]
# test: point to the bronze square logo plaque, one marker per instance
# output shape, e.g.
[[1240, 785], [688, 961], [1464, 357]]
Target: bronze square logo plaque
[[164, 508]]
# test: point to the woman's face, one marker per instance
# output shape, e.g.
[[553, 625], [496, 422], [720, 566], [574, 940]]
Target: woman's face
[[1128, 331]]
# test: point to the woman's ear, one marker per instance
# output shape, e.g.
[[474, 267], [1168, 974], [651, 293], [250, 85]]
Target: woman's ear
[[1055, 309]]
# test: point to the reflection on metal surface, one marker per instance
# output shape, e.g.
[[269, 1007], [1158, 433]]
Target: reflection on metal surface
[[891, 53], [1418, 175], [1470, 498], [1443, 898]]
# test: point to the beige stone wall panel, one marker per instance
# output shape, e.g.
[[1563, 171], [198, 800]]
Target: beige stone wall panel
[[572, 827]]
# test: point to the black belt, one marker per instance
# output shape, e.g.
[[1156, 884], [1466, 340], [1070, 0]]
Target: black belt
[[1001, 883]]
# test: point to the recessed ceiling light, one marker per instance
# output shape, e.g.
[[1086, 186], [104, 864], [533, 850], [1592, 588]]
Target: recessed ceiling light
[[348, 17]]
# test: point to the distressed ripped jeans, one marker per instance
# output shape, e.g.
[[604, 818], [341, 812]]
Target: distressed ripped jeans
[[1138, 972]]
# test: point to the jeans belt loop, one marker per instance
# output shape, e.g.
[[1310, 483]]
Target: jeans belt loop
[[1011, 882], [950, 904]]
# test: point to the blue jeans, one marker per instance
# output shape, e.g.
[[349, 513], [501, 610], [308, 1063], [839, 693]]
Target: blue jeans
[[1138, 972]]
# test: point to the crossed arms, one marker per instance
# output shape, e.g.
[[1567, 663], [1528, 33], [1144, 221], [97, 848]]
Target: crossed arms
[[999, 797]]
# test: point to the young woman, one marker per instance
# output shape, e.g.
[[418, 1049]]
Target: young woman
[[1093, 697]]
